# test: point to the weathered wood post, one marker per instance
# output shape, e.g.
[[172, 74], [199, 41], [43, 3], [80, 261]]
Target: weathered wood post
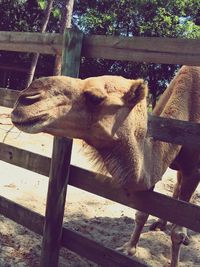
[[60, 163]]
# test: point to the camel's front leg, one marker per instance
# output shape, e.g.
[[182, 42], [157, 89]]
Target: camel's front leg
[[160, 223], [179, 235], [140, 220]]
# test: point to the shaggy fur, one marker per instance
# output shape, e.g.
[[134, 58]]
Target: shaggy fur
[[110, 114]]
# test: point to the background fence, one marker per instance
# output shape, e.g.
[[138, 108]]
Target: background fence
[[74, 45]]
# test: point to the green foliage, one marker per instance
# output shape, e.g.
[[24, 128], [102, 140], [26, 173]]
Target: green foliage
[[56, 13], [138, 18], [156, 18], [150, 18], [42, 4], [23, 15]]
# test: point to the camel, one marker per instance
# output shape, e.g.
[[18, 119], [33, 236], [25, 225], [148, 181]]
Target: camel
[[110, 114]]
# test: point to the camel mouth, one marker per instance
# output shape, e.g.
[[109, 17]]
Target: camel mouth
[[30, 122]]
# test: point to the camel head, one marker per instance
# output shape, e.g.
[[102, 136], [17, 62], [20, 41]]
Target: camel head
[[93, 109]]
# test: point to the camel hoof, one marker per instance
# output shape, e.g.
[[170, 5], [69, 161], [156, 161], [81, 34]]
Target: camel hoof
[[158, 225], [186, 240], [127, 249], [180, 237]]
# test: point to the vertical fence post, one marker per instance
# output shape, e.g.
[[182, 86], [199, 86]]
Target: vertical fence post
[[60, 163]]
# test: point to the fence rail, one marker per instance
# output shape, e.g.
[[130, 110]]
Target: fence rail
[[44, 43], [155, 50], [140, 49], [72, 240], [150, 202], [143, 49]]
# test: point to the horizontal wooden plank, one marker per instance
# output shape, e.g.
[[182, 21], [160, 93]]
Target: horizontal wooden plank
[[13, 68], [44, 43], [25, 159], [96, 252], [138, 49], [143, 49], [150, 202], [8, 97], [174, 131], [71, 240]]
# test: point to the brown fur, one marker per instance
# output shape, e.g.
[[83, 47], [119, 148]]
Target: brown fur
[[110, 114]]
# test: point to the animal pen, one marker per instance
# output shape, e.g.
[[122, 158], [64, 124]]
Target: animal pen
[[73, 45]]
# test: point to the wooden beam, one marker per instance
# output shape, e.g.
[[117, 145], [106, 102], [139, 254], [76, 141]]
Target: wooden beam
[[8, 97], [71, 240], [57, 187], [25, 159], [174, 131], [149, 202], [13, 68], [43, 43], [96, 252], [138, 49], [72, 53], [143, 49], [59, 171]]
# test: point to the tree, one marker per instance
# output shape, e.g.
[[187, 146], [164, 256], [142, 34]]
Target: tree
[[154, 18], [36, 55], [23, 15], [66, 22], [157, 18]]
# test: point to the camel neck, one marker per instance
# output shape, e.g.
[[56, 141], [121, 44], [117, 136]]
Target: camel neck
[[137, 162]]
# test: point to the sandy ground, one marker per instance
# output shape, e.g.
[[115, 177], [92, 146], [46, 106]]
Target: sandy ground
[[100, 219]]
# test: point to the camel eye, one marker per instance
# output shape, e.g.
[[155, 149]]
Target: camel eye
[[94, 97], [29, 99]]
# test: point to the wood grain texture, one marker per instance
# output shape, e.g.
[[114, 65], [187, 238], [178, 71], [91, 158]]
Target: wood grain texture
[[72, 53], [137, 49], [8, 97], [25, 159], [143, 49], [43, 43], [174, 131], [151, 202], [58, 180], [60, 164], [71, 240]]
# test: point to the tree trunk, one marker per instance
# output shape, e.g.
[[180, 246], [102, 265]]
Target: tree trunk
[[153, 100], [65, 23], [36, 55]]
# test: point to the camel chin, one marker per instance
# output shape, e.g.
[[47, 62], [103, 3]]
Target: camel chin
[[30, 125]]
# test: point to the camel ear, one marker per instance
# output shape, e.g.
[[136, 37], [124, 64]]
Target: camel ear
[[136, 93], [94, 96]]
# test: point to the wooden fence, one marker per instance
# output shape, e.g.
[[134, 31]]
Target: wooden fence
[[74, 45]]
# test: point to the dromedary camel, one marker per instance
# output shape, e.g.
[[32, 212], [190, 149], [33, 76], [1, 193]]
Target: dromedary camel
[[110, 114]]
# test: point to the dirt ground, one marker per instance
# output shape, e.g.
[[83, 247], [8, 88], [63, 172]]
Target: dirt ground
[[102, 220]]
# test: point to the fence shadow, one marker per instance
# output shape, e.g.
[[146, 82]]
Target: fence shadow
[[153, 248]]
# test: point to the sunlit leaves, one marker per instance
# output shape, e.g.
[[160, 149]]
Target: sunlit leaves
[[42, 4], [56, 12], [156, 18]]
